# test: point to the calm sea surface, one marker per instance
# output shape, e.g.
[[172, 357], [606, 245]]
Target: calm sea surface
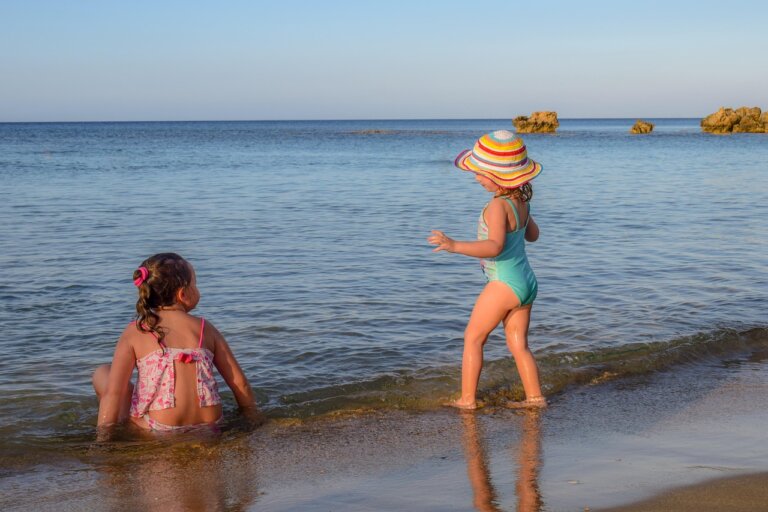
[[309, 240]]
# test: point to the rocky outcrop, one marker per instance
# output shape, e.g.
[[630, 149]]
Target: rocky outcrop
[[641, 126], [538, 122], [741, 120]]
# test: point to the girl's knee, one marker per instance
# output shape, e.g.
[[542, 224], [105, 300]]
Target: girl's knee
[[518, 350], [100, 378], [475, 338]]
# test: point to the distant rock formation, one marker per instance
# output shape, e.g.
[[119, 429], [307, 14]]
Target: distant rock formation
[[641, 126], [538, 122], [741, 120]]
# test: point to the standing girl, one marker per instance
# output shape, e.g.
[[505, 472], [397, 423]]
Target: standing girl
[[501, 165], [174, 353]]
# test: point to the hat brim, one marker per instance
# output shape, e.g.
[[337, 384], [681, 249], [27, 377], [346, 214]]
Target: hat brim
[[513, 180]]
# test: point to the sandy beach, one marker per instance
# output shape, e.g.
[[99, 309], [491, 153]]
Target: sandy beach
[[600, 446], [735, 494]]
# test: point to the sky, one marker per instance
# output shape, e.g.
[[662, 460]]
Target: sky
[[104, 60]]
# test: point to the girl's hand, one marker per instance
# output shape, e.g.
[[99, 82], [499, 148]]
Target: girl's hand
[[443, 242], [253, 416]]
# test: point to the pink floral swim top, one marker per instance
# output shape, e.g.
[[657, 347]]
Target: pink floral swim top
[[155, 387]]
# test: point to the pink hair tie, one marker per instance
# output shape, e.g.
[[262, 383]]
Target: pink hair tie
[[143, 277]]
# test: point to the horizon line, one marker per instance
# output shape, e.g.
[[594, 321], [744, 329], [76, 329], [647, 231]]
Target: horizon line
[[339, 120]]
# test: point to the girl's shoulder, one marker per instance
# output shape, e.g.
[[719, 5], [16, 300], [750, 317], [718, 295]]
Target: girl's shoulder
[[498, 205], [509, 203], [211, 336], [132, 331], [132, 339], [208, 335], [208, 326], [495, 202]]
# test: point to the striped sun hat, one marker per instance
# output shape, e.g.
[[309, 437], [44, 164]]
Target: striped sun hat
[[501, 157]]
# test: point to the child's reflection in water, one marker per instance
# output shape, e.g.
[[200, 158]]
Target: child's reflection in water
[[185, 477], [528, 455]]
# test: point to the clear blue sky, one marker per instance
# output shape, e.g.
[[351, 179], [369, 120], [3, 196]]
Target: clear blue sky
[[68, 60]]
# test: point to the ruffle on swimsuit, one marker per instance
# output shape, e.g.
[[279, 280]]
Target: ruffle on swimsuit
[[155, 387]]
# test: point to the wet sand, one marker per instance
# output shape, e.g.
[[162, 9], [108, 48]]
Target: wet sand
[[735, 494], [597, 446]]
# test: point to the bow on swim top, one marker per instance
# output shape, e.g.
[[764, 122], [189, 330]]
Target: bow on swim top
[[155, 387], [511, 267]]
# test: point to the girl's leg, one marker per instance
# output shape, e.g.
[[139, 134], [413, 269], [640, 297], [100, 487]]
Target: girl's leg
[[491, 307], [516, 329], [100, 380]]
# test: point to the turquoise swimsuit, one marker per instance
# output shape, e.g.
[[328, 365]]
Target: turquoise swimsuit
[[511, 267]]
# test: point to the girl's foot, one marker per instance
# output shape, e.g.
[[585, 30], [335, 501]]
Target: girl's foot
[[535, 402], [464, 406]]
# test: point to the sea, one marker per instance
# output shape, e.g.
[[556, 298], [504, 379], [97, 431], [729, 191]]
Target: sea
[[309, 243]]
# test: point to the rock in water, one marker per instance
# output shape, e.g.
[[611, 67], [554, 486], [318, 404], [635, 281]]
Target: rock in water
[[741, 120], [641, 127], [538, 122]]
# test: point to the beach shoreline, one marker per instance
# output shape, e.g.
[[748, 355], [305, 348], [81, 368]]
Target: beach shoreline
[[599, 446]]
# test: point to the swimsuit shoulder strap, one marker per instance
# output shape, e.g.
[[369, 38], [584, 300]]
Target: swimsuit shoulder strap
[[202, 330], [514, 210]]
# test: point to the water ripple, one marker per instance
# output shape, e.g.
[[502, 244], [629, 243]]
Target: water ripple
[[309, 242]]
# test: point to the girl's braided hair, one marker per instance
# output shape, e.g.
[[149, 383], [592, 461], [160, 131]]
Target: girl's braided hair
[[524, 192], [164, 275]]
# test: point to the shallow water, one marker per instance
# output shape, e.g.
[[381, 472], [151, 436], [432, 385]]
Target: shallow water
[[599, 446], [309, 243]]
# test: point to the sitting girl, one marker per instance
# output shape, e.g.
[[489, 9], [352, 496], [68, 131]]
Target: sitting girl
[[174, 353]]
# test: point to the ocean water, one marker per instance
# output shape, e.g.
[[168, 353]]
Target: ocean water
[[309, 241]]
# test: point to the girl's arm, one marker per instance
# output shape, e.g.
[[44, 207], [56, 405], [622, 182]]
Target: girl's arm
[[532, 231], [119, 379], [495, 219], [233, 375]]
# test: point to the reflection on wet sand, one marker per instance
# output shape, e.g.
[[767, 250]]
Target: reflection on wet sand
[[529, 463], [186, 476], [528, 454], [484, 496]]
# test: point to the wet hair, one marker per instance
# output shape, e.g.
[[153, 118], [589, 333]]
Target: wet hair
[[524, 192], [167, 272]]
